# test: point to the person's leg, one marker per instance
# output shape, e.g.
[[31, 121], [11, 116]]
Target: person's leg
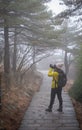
[[53, 93], [59, 95]]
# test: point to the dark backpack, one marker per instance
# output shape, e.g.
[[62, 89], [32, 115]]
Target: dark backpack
[[62, 79]]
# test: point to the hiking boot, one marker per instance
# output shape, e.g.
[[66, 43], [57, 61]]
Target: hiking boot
[[60, 109], [48, 110]]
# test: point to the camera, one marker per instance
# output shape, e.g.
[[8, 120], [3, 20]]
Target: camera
[[53, 66]]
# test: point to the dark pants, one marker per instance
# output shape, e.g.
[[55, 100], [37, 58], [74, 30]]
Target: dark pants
[[55, 91]]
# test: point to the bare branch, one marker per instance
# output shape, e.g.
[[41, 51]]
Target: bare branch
[[24, 71], [22, 61]]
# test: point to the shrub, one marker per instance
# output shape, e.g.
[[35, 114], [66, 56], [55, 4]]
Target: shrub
[[76, 90]]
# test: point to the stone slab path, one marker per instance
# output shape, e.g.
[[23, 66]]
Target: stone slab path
[[36, 118]]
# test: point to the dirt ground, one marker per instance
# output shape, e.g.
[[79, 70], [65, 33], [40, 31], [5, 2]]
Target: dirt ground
[[78, 109]]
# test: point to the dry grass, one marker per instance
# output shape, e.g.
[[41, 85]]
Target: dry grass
[[15, 101]]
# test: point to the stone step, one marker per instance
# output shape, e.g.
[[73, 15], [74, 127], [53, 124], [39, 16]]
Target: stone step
[[37, 119]]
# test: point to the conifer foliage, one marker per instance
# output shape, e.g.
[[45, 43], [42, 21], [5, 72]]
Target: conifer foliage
[[21, 22], [76, 90]]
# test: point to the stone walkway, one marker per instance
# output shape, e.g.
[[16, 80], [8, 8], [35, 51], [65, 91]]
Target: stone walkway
[[37, 119]]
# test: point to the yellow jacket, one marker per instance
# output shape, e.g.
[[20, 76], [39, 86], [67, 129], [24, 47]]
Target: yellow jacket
[[54, 75]]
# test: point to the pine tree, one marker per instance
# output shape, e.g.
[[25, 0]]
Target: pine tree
[[27, 18]]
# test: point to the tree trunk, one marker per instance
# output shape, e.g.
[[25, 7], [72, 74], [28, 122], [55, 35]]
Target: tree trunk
[[66, 62], [6, 55], [15, 53], [6, 49], [33, 57]]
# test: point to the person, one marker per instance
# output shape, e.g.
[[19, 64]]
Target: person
[[56, 88]]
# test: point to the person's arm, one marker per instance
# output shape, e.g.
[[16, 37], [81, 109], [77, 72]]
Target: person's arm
[[50, 72]]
